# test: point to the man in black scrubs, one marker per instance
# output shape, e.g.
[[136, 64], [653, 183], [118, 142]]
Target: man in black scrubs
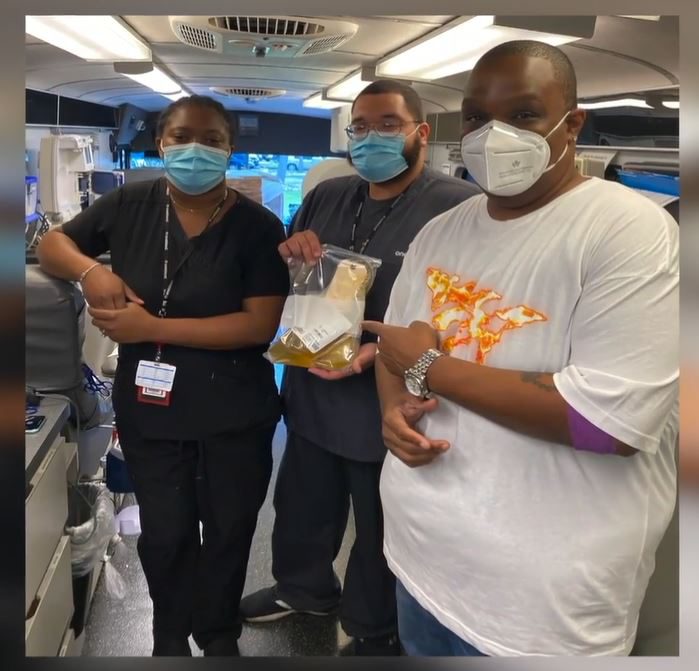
[[335, 450]]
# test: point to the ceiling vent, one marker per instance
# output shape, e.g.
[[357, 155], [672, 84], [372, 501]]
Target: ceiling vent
[[248, 93], [262, 36], [267, 25]]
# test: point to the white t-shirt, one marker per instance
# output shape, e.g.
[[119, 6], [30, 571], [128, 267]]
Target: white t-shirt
[[520, 546]]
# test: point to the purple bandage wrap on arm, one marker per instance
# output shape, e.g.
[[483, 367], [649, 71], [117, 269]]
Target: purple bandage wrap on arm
[[586, 436]]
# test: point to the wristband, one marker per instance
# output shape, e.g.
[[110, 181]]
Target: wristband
[[85, 273], [587, 437]]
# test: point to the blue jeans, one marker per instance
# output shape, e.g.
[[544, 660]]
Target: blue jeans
[[422, 635]]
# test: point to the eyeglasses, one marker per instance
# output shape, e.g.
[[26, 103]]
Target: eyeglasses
[[358, 131]]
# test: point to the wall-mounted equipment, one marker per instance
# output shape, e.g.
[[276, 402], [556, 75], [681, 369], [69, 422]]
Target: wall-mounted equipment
[[63, 161], [132, 120]]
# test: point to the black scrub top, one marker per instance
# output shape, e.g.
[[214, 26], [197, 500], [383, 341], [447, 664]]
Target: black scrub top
[[343, 416], [214, 392]]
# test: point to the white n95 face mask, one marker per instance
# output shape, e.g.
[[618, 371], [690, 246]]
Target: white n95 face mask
[[505, 160]]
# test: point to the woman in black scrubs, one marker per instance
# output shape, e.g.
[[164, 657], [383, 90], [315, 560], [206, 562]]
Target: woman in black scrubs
[[193, 297]]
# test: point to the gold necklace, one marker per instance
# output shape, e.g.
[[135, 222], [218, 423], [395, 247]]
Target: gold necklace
[[197, 209]]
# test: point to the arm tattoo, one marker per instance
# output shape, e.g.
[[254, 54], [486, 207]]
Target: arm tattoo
[[535, 379]]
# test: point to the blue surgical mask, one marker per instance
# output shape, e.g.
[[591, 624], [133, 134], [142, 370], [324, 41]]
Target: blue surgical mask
[[195, 168], [378, 159]]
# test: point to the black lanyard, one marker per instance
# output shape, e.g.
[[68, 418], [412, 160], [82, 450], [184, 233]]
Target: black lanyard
[[377, 226], [167, 284]]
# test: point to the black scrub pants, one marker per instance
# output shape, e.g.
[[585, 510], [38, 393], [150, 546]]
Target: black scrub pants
[[311, 501], [196, 582]]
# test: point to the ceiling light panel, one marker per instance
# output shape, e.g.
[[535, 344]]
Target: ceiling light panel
[[457, 47], [92, 38]]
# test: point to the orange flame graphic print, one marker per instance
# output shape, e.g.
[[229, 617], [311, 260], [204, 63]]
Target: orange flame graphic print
[[452, 301]]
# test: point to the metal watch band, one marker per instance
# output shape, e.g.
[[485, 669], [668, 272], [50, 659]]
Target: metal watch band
[[419, 370]]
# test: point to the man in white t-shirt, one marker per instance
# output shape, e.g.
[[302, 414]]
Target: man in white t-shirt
[[525, 497]]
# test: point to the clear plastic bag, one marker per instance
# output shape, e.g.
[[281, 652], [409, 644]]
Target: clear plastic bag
[[321, 323], [116, 587], [114, 583], [89, 541]]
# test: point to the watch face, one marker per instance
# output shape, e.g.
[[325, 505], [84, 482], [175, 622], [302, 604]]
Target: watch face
[[413, 385]]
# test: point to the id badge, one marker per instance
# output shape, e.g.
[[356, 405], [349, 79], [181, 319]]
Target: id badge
[[154, 382]]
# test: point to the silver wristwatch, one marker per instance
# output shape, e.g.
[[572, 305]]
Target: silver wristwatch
[[416, 377]]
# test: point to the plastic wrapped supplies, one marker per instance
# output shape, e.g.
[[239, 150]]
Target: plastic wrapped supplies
[[321, 322], [90, 540], [97, 540]]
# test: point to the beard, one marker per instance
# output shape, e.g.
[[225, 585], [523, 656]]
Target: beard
[[411, 154]]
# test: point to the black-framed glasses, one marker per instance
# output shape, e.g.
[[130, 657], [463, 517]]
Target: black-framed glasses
[[359, 130]]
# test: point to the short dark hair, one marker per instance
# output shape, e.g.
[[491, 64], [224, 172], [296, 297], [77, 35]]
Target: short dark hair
[[562, 67], [199, 101], [412, 99]]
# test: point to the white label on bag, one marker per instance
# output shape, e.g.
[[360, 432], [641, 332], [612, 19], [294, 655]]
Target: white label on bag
[[321, 335], [305, 313], [155, 376]]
